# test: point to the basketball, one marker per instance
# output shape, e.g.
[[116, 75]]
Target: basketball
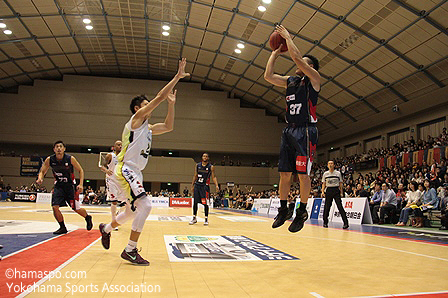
[[276, 40]]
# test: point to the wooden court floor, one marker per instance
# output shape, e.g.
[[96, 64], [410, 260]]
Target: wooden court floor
[[324, 262]]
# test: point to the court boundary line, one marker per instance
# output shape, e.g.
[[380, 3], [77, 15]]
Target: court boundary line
[[44, 279], [36, 244], [403, 295], [344, 241], [361, 232]]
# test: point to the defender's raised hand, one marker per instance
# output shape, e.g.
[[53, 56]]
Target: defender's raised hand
[[181, 70], [172, 97]]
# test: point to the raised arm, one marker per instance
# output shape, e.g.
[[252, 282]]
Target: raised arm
[[78, 167], [43, 171], [142, 114], [270, 76], [104, 165], [215, 180], [168, 125], [296, 56]]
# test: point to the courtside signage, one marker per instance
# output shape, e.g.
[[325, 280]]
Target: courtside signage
[[201, 248], [180, 202]]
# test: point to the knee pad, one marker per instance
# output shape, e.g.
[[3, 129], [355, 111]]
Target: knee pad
[[143, 206], [123, 217]]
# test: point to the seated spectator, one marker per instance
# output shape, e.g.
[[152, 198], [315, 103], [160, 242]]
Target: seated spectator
[[388, 203], [429, 201], [413, 201], [444, 211], [376, 201]]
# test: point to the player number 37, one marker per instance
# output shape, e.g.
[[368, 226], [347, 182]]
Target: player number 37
[[294, 109]]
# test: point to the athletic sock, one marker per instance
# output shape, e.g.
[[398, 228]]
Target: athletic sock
[[283, 203], [62, 225], [131, 246], [302, 206], [108, 228]]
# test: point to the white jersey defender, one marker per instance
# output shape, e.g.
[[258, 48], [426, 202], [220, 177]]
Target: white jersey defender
[[133, 159]]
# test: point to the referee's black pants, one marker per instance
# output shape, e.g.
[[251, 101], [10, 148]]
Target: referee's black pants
[[334, 193]]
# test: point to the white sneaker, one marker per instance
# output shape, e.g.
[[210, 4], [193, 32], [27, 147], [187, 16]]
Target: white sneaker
[[116, 229], [206, 222], [193, 221]]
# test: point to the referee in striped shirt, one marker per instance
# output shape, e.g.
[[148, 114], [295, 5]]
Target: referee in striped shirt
[[333, 189]]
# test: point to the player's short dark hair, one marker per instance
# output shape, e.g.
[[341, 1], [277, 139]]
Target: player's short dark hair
[[206, 153], [314, 60], [58, 142], [137, 101]]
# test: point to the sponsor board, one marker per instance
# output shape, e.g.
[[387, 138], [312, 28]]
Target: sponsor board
[[261, 206], [181, 202], [220, 249], [357, 211], [175, 218], [24, 196], [160, 201], [275, 204], [242, 218], [43, 198]]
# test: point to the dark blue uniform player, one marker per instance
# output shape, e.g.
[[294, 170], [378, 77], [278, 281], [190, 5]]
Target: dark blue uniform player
[[299, 138], [201, 186], [64, 185]]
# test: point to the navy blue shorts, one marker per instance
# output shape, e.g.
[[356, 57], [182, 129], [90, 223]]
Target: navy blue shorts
[[297, 149], [201, 194], [64, 195]]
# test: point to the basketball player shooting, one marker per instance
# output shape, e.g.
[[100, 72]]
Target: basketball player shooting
[[299, 138], [108, 168], [137, 138]]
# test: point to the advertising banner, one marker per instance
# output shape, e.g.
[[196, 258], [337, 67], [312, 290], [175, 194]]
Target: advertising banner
[[181, 202], [24, 196]]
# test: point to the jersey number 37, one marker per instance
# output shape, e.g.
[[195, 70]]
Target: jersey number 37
[[294, 109]]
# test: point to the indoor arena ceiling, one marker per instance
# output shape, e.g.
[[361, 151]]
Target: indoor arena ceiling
[[373, 53]]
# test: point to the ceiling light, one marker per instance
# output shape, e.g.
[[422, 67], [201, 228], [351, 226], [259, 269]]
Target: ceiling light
[[238, 51], [240, 45], [7, 32], [267, 1], [2, 25], [164, 33], [166, 27], [89, 27], [87, 21], [261, 8]]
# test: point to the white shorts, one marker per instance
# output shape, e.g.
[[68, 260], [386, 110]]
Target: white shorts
[[130, 183], [112, 190]]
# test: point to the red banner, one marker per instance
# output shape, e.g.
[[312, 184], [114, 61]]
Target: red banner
[[381, 163], [181, 202], [405, 159], [393, 160], [436, 154], [420, 156]]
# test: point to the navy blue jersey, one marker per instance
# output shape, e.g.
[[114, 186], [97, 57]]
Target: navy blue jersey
[[301, 101], [62, 170], [204, 173]]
